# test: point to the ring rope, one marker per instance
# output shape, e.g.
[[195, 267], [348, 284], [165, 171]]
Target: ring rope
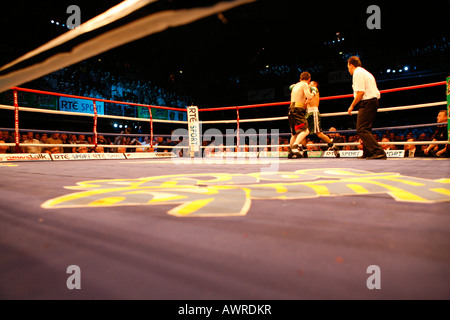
[[16, 108], [94, 99], [68, 113], [212, 146], [423, 105], [343, 144], [428, 85]]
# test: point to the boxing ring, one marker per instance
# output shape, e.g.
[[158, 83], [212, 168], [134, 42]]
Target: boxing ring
[[230, 220], [233, 225]]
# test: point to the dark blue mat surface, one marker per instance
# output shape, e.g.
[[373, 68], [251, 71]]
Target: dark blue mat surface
[[164, 229]]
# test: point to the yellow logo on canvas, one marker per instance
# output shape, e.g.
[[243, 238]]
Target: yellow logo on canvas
[[225, 194]]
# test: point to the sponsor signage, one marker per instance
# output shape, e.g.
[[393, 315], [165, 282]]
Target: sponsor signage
[[30, 100], [150, 155], [25, 157], [359, 153], [80, 105], [86, 156], [344, 154], [194, 129]]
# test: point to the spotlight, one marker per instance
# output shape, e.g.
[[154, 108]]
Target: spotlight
[[388, 70], [115, 125], [406, 68]]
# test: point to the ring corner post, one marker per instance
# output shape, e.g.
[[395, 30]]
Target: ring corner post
[[95, 124], [151, 126], [16, 122], [194, 130], [448, 106]]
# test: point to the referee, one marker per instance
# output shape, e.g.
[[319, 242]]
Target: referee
[[366, 96]]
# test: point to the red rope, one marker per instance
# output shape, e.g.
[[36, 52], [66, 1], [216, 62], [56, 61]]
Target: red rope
[[421, 86], [246, 106], [95, 99], [428, 85], [434, 84]]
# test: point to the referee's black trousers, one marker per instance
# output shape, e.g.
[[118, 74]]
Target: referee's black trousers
[[367, 111]]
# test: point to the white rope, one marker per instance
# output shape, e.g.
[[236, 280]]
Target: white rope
[[353, 144], [423, 105], [394, 143], [135, 30], [115, 13], [135, 146], [68, 113], [416, 106]]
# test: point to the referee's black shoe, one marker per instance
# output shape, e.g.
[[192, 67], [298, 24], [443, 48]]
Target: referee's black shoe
[[381, 156]]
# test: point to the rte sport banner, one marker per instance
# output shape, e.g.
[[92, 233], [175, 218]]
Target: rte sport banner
[[80, 105]]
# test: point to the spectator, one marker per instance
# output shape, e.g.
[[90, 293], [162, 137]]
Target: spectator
[[82, 150], [121, 150], [64, 140], [2, 148], [90, 141], [73, 140], [54, 139], [46, 150], [337, 138], [102, 141], [160, 143], [409, 136], [309, 146], [31, 149], [423, 137], [386, 147], [411, 151], [8, 138], [439, 150], [44, 138], [82, 139], [145, 144], [121, 141], [351, 139], [55, 150], [134, 142]]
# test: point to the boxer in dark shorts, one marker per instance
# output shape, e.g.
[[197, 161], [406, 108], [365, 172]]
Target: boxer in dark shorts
[[298, 124], [297, 118]]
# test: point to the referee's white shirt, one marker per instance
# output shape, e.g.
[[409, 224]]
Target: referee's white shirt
[[363, 80]]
